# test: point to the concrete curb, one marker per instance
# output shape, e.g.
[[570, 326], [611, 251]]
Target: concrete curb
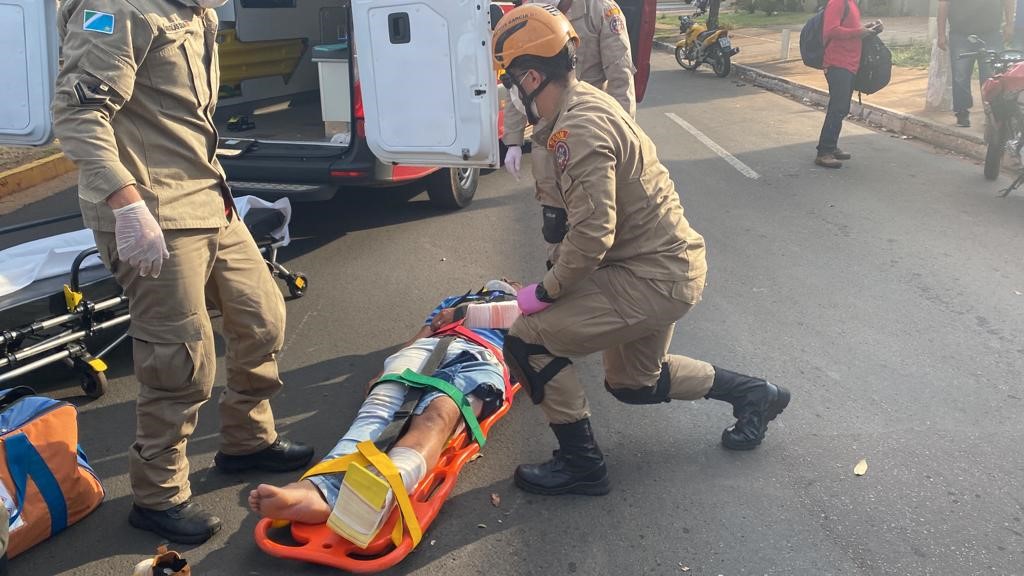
[[945, 137], [34, 173]]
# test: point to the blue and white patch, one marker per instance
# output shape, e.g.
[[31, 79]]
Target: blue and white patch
[[98, 22]]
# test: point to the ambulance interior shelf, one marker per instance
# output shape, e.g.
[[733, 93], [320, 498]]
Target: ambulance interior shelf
[[271, 75]]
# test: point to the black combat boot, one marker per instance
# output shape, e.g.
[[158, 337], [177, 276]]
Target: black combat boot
[[577, 467], [755, 403]]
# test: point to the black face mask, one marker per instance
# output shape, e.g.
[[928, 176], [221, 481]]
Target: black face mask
[[509, 82]]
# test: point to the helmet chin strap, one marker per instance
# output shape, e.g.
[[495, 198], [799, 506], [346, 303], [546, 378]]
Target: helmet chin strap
[[528, 99]]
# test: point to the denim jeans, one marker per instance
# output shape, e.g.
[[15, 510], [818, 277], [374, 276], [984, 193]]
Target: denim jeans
[[470, 368], [963, 69], [840, 92]]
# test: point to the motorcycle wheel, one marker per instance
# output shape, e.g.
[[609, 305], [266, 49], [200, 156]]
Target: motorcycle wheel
[[996, 136], [684, 59], [721, 64]]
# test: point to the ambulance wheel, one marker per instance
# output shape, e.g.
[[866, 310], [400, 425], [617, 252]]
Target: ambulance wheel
[[94, 383], [452, 188], [297, 284]]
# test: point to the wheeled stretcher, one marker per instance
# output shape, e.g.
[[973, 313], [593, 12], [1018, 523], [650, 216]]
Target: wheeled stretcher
[[415, 512], [57, 300]]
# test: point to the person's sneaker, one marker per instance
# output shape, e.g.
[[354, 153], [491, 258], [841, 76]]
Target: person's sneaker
[[963, 119], [186, 523], [828, 161], [840, 155], [165, 563], [281, 456]]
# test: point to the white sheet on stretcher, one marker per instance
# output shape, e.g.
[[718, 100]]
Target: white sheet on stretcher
[[49, 257]]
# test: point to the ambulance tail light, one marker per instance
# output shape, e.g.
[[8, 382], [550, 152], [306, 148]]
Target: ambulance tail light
[[357, 110]]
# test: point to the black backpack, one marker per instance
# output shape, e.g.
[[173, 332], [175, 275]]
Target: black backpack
[[875, 66], [812, 43]]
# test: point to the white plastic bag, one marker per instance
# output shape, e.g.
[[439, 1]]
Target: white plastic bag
[[938, 94]]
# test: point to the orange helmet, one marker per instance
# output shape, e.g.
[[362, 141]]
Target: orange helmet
[[531, 30]]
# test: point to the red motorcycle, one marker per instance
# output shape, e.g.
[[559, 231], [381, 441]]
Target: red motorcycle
[[1004, 116]]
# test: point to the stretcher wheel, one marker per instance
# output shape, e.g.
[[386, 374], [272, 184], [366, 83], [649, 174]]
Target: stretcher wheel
[[94, 382], [297, 284]]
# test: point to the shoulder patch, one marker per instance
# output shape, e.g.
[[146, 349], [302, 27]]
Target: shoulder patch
[[616, 25], [613, 11], [557, 137], [562, 154], [101, 22]]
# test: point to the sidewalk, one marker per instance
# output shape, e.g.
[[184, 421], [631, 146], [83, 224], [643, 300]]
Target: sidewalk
[[900, 106]]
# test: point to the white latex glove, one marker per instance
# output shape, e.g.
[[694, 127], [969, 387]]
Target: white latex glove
[[513, 160], [140, 241]]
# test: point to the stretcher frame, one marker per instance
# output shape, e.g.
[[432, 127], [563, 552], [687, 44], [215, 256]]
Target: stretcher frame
[[318, 544], [63, 337]]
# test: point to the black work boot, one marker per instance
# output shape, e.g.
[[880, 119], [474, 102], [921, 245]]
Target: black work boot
[[755, 403], [186, 523], [281, 456], [576, 468]]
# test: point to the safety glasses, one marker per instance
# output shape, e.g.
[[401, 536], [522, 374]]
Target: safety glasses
[[508, 80]]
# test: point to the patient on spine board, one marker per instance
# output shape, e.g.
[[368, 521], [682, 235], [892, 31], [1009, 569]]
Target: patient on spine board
[[471, 368]]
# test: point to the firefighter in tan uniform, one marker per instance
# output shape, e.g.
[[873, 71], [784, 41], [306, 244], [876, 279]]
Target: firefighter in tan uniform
[[603, 60], [628, 267], [134, 110]]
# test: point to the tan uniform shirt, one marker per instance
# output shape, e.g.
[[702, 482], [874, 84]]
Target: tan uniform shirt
[[602, 59], [623, 207], [134, 105]]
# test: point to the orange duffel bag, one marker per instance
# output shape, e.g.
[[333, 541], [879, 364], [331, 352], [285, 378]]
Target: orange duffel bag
[[46, 483]]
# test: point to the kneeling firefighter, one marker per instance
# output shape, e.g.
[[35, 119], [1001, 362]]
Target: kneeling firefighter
[[628, 267]]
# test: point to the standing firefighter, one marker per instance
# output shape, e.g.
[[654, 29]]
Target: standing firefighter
[[627, 269], [134, 109], [602, 59]]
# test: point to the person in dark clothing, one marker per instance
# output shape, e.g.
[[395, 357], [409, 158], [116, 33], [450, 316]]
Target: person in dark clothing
[[989, 20], [841, 33]]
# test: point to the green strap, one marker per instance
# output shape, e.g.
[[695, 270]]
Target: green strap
[[417, 380]]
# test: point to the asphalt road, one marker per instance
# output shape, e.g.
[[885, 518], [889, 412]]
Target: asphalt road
[[886, 295]]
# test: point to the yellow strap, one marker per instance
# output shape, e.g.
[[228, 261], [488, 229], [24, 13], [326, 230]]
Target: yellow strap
[[390, 473], [71, 298], [336, 466]]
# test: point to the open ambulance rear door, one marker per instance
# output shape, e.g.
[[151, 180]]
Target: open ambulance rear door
[[428, 83], [641, 16], [28, 70]]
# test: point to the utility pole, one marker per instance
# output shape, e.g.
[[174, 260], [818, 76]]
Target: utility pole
[[713, 6]]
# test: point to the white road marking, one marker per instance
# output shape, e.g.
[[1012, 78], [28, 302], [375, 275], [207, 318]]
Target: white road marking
[[735, 162]]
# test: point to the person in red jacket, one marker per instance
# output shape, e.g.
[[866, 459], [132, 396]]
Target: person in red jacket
[[841, 33]]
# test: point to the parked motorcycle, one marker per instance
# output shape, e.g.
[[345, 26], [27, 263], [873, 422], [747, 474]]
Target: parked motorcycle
[[1004, 118], [702, 46]]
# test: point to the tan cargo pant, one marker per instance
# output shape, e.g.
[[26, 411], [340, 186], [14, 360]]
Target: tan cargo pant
[[175, 358], [630, 320]]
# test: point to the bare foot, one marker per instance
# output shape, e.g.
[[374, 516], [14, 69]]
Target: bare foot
[[296, 502]]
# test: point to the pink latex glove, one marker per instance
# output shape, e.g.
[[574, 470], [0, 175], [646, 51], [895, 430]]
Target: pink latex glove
[[528, 301]]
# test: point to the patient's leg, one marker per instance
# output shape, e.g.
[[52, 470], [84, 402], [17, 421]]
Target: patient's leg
[[302, 501]]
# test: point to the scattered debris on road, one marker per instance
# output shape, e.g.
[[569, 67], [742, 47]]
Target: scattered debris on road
[[495, 500], [861, 468]]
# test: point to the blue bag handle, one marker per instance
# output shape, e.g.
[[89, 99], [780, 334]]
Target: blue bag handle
[[24, 462]]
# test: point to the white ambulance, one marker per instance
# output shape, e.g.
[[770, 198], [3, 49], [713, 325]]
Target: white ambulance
[[316, 95]]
